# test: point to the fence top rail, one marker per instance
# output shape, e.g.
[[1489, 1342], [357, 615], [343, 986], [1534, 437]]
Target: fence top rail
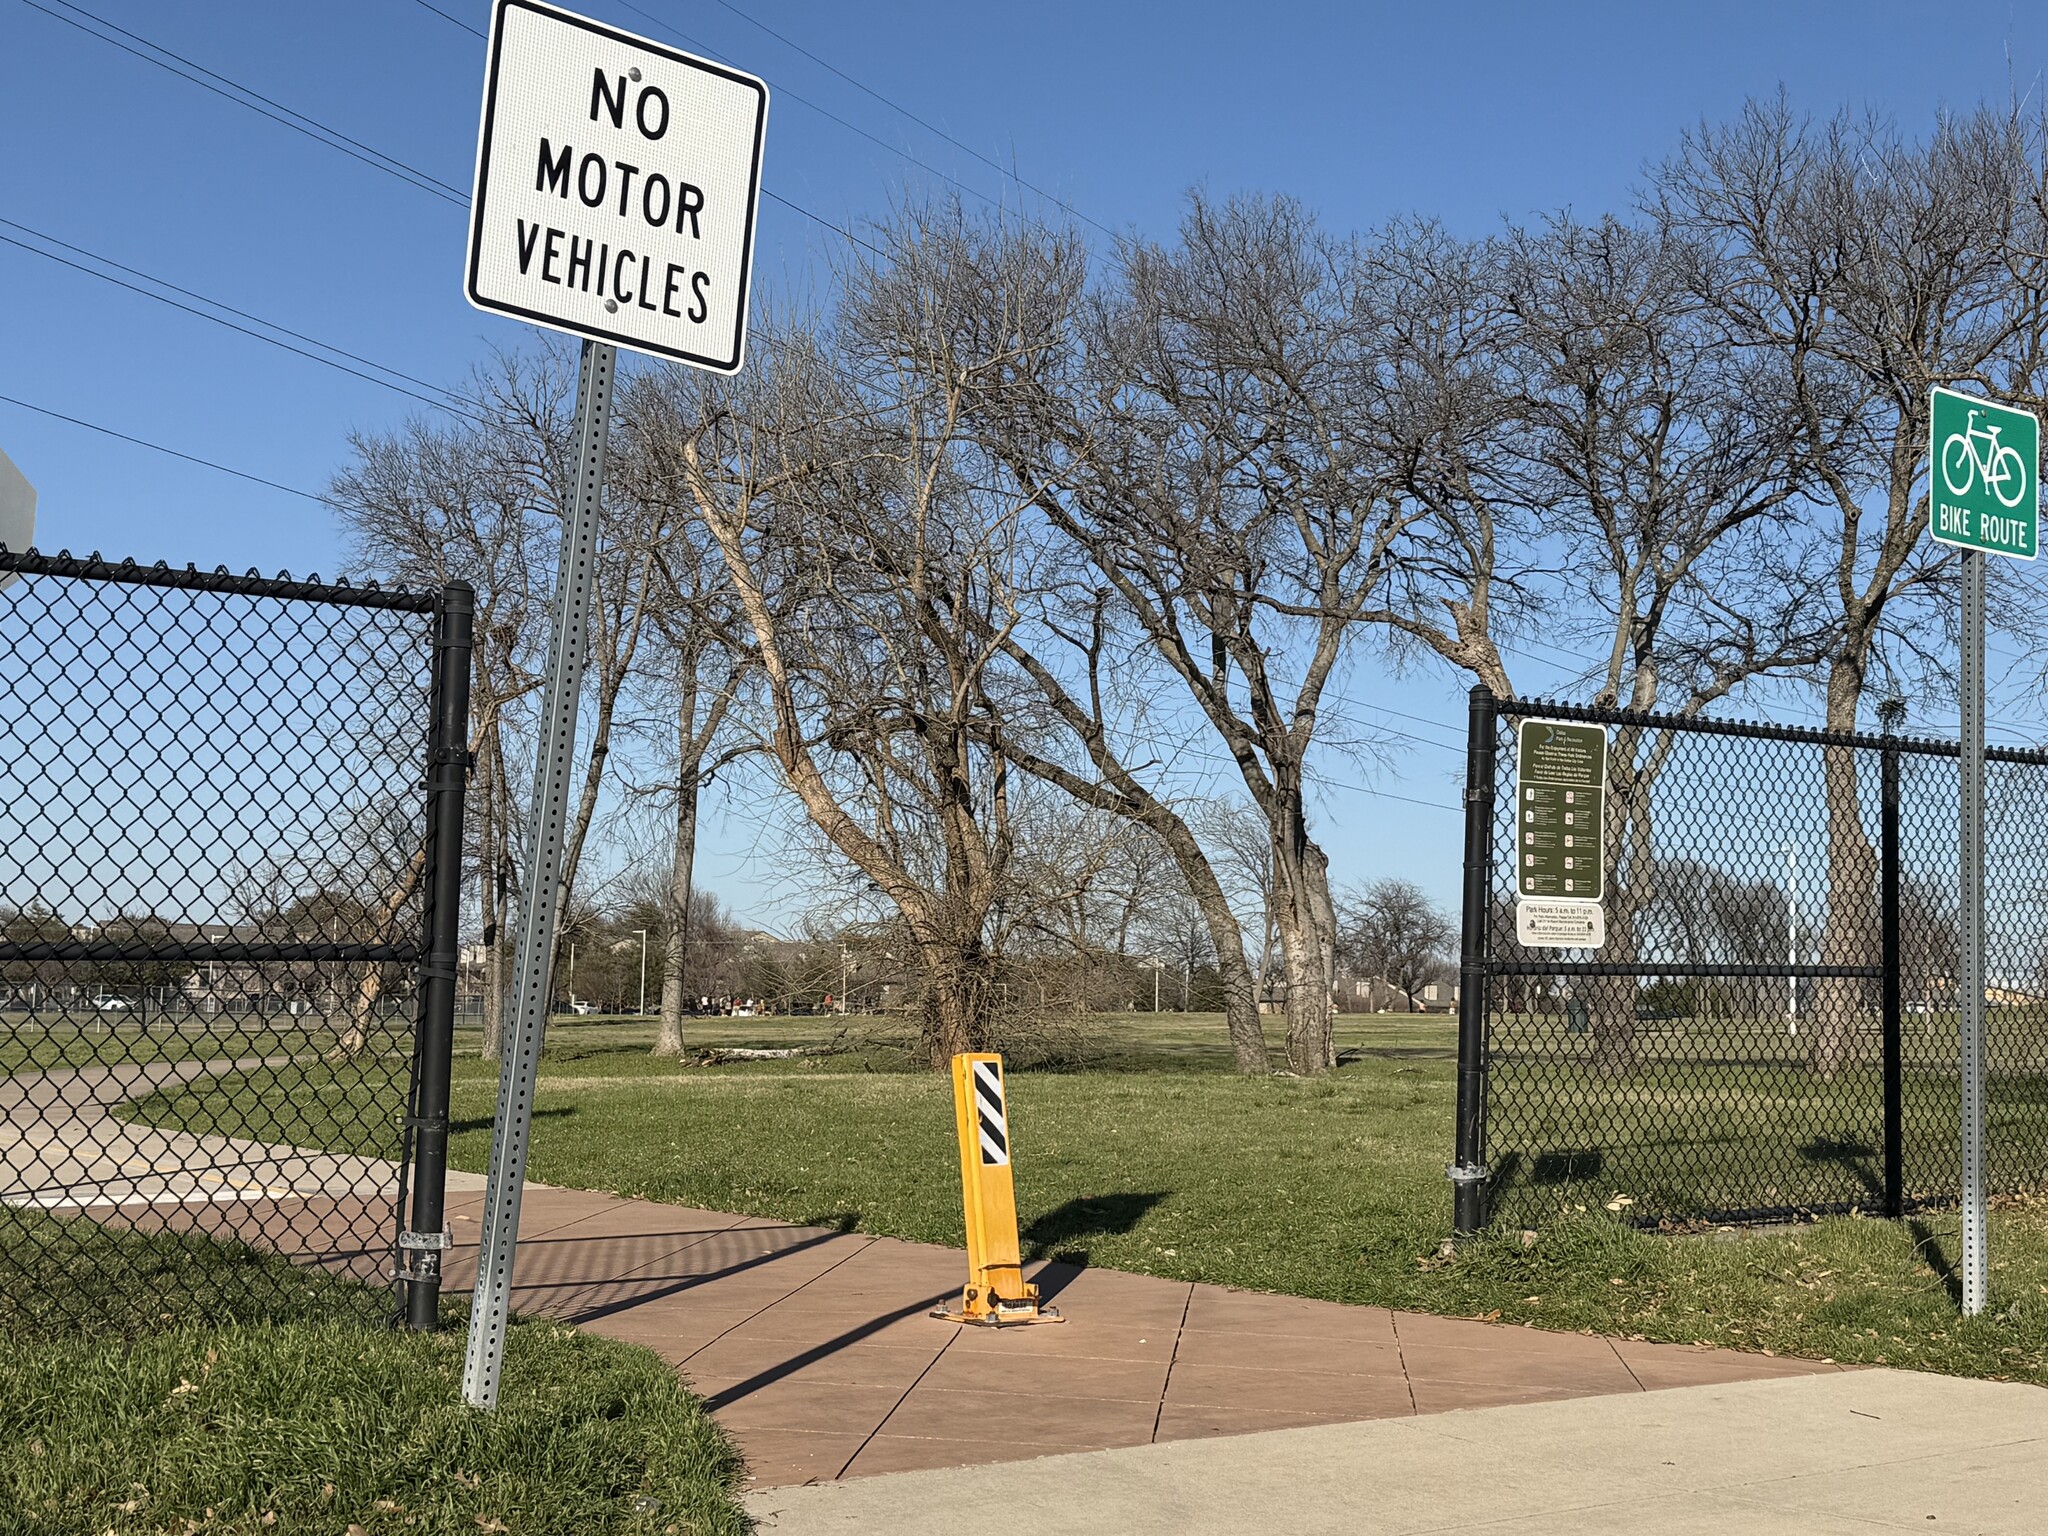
[[220, 579], [1756, 730]]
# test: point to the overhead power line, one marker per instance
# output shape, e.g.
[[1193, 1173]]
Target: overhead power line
[[781, 90], [285, 330], [242, 96], [311, 127], [929, 127], [439, 399], [143, 442]]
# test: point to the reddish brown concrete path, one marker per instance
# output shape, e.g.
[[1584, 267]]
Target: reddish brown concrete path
[[814, 1349]]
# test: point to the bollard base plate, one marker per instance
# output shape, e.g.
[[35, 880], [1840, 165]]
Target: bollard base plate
[[1007, 1317]]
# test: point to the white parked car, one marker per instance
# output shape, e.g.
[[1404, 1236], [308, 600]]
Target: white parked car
[[109, 1004]]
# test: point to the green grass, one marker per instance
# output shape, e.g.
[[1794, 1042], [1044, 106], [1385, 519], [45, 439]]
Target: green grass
[[1169, 1165], [1711, 1098], [38, 1042], [296, 1421]]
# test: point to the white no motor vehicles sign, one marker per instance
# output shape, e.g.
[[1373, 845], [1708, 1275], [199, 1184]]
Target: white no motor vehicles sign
[[616, 183]]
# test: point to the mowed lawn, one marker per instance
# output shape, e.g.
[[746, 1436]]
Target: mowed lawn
[[1154, 1158], [275, 1400]]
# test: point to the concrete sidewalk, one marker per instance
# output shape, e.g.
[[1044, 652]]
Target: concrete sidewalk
[[1848, 1454], [814, 1348]]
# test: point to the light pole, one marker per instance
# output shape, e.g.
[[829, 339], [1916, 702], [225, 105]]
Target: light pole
[[842, 979], [1158, 965], [1791, 936], [643, 971]]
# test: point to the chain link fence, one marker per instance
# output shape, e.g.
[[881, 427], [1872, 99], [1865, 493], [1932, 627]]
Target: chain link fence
[[1770, 1029], [216, 858]]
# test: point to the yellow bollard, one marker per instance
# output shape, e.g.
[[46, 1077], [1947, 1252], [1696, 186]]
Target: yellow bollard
[[997, 1294]]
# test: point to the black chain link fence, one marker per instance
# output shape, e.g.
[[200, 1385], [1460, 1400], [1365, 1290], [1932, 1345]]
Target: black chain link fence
[[214, 871], [1770, 1030]]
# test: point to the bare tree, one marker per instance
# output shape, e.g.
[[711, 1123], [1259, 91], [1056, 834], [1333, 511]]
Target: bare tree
[[867, 559], [1391, 930], [702, 661], [1587, 453], [1192, 431], [432, 504], [1866, 269]]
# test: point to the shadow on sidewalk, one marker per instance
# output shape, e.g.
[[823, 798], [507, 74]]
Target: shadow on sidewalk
[[785, 1368]]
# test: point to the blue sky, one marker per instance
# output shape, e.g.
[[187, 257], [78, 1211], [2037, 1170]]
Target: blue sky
[[1467, 112]]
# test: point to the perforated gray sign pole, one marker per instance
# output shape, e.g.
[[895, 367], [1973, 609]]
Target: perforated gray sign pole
[[617, 182], [533, 981], [1976, 1258], [1984, 497]]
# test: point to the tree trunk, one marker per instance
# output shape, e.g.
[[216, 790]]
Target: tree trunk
[[669, 1039], [1241, 1014], [1627, 889], [957, 1001], [1851, 894], [1226, 938], [1307, 922]]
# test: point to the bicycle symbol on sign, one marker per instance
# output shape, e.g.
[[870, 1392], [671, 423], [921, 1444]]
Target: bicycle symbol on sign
[[1977, 451]]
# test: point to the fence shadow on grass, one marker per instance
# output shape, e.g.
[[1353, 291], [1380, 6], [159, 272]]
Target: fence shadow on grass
[[1853, 1156]]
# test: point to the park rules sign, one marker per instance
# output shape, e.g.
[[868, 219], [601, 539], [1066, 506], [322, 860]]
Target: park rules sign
[[616, 184], [1560, 834]]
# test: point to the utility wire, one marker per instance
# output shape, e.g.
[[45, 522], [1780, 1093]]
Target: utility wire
[[143, 442], [780, 90], [255, 101], [318, 131], [445, 16], [929, 127], [824, 112], [772, 196], [148, 277], [438, 400]]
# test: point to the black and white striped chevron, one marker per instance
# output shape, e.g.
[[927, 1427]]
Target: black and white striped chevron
[[988, 1113]]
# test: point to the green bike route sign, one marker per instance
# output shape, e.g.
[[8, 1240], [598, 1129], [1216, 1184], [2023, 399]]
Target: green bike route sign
[[1984, 476], [1560, 790]]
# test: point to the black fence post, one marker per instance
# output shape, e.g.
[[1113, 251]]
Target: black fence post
[[1888, 919], [423, 1244], [1468, 1173]]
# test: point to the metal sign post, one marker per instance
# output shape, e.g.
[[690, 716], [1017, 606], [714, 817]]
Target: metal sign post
[[532, 980], [1976, 1261], [617, 182], [1984, 497]]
